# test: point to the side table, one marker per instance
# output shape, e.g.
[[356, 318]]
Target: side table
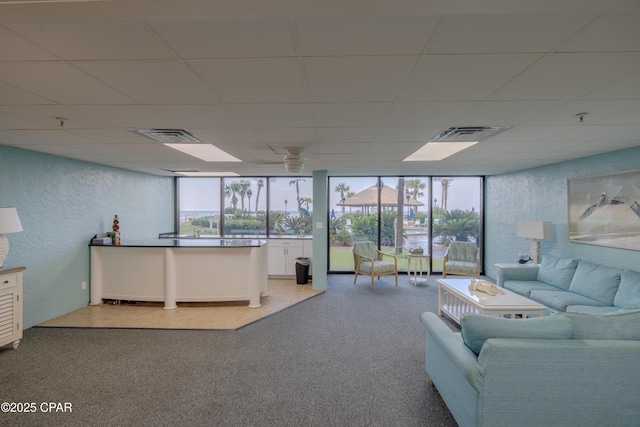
[[415, 278]]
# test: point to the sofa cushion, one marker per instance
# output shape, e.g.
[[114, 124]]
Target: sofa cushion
[[477, 328], [590, 309], [557, 271], [628, 295], [596, 281], [524, 287], [559, 300], [621, 325]]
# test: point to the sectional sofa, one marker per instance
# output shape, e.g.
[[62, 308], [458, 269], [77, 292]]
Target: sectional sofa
[[568, 369], [572, 285]]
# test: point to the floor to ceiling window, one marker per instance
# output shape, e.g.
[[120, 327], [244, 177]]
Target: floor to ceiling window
[[243, 206], [402, 213], [199, 206], [290, 206]]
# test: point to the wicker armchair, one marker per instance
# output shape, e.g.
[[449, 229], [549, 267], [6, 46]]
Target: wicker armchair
[[461, 258], [368, 260]]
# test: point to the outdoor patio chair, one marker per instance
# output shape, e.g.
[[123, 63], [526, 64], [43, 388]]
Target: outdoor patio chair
[[461, 258], [368, 260]]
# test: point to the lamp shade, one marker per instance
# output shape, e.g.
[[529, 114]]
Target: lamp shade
[[9, 221], [538, 230]]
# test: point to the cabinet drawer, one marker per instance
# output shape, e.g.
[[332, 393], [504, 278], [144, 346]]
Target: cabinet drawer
[[8, 281]]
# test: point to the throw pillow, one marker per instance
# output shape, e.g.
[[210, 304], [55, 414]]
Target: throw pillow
[[557, 271], [628, 295], [596, 282], [477, 328], [620, 325]]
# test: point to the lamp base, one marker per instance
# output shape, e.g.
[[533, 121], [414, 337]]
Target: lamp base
[[534, 250], [4, 249]]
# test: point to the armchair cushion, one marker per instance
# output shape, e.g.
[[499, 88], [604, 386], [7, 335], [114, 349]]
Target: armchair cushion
[[378, 266], [366, 249], [463, 251], [477, 328]]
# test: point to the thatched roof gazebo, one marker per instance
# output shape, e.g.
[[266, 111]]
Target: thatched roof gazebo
[[369, 197]]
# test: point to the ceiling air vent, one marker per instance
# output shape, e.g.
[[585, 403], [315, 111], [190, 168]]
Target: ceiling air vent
[[169, 136], [468, 133]]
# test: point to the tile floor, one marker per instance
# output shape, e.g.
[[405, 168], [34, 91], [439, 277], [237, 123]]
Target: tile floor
[[232, 315]]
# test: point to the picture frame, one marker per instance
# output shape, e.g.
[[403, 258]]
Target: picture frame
[[604, 210]]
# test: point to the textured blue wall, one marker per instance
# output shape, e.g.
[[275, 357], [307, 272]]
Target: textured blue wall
[[541, 194], [62, 203]]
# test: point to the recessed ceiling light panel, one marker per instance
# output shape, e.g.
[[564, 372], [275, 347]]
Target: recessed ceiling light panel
[[434, 151]]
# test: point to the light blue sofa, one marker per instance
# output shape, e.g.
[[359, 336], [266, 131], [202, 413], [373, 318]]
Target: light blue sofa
[[569, 369], [566, 284]]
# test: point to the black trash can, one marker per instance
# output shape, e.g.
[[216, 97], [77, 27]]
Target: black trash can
[[302, 271]]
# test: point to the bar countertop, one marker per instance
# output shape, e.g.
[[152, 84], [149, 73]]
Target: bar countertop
[[189, 243]]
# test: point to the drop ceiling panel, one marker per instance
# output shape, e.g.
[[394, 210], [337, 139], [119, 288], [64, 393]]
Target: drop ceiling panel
[[528, 133], [349, 114], [591, 133], [597, 111], [96, 40], [274, 115], [14, 47], [363, 134], [10, 121], [57, 136], [407, 134], [111, 136], [627, 87], [427, 113], [287, 135], [574, 75], [10, 95], [228, 38], [357, 79], [152, 82], [343, 148], [268, 80], [201, 116], [227, 136], [611, 32], [60, 82], [47, 116], [505, 113], [497, 34], [463, 77], [128, 116], [372, 35]]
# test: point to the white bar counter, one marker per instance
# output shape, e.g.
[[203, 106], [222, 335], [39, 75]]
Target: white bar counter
[[173, 270]]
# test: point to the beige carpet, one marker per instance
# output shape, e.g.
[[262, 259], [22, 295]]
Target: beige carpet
[[233, 315]]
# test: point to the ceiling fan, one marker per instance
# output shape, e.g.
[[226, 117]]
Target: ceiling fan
[[293, 161]]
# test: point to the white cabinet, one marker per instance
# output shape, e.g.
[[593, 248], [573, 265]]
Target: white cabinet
[[283, 254], [11, 306]]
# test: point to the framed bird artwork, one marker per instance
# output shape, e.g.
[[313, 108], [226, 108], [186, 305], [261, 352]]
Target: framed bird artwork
[[605, 210]]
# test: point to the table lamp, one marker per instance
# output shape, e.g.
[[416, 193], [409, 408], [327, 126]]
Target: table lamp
[[535, 231], [9, 223]]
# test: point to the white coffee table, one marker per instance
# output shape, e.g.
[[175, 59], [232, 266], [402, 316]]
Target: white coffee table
[[455, 299]]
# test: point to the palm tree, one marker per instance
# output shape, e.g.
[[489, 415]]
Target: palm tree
[[260, 183], [306, 201], [297, 184], [342, 188], [243, 186], [231, 190], [415, 185], [445, 182]]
